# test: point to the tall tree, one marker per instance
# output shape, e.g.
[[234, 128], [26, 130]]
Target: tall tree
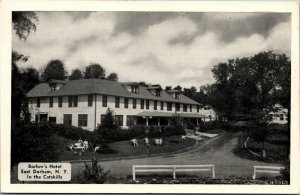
[[24, 23], [94, 71], [55, 69], [112, 77], [76, 75]]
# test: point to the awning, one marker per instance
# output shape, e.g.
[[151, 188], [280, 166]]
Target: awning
[[166, 114]]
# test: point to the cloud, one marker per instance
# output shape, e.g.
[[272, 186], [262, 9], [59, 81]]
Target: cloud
[[165, 48]]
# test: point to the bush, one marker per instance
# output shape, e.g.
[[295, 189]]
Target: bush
[[285, 173], [74, 133], [34, 142], [154, 132], [105, 149], [92, 174]]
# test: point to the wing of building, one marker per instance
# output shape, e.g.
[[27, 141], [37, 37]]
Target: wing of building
[[84, 103]]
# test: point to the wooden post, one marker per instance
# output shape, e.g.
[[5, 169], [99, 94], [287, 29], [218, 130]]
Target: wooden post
[[133, 172], [174, 172], [213, 171], [158, 122], [254, 172], [147, 122]]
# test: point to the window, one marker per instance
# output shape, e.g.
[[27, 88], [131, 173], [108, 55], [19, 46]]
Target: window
[[198, 108], [119, 120], [130, 121], [68, 119], [134, 89], [177, 107], [147, 104], [90, 100], [191, 108], [102, 118], [161, 105], [158, 92], [82, 120], [70, 101], [52, 119], [184, 108], [75, 101], [104, 101], [38, 102], [53, 87], [117, 102], [125, 102], [60, 100], [281, 117], [155, 105], [51, 102], [142, 104], [134, 103], [169, 106], [177, 95]]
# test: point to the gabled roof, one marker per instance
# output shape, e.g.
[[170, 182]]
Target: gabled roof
[[105, 87]]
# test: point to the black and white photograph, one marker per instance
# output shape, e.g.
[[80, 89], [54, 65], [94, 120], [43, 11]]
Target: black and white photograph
[[152, 97]]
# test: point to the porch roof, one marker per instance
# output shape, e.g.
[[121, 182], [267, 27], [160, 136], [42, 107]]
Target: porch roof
[[168, 114]]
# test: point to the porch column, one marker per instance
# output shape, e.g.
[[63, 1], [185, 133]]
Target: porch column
[[147, 121], [197, 121], [158, 122], [168, 121]]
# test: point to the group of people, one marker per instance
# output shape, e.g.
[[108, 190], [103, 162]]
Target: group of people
[[80, 146], [157, 141]]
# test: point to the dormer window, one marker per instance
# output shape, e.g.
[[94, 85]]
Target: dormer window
[[155, 90], [158, 92], [53, 86], [177, 95], [56, 84], [134, 89]]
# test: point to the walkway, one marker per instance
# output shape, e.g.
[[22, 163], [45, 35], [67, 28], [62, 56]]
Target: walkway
[[218, 151]]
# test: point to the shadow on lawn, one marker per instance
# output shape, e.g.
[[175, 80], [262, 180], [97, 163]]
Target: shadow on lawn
[[276, 149]]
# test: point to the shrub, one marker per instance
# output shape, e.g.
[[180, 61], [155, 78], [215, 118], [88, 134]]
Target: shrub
[[285, 173], [154, 131], [34, 142], [105, 149], [92, 174]]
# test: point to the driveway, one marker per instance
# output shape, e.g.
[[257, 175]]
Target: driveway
[[217, 151]]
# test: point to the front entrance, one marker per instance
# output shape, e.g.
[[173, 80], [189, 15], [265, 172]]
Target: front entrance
[[43, 117]]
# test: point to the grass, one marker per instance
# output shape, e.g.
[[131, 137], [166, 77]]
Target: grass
[[276, 145], [125, 149]]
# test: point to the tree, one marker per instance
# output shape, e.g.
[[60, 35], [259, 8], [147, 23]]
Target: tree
[[94, 71], [76, 75], [178, 87], [55, 69], [24, 23], [112, 77], [107, 128]]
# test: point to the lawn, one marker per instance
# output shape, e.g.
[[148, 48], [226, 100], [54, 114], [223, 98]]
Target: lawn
[[125, 149], [276, 145]]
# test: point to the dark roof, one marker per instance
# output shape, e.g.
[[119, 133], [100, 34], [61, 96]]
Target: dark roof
[[105, 87]]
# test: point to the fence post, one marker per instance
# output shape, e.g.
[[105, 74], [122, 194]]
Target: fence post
[[213, 171], [133, 172], [174, 172], [254, 172]]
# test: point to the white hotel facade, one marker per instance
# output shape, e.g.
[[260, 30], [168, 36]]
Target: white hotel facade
[[84, 103]]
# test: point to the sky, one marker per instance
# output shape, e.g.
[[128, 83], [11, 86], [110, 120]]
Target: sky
[[167, 48]]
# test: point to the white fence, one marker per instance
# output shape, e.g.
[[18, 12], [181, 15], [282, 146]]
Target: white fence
[[172, 169], [266, 169]]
